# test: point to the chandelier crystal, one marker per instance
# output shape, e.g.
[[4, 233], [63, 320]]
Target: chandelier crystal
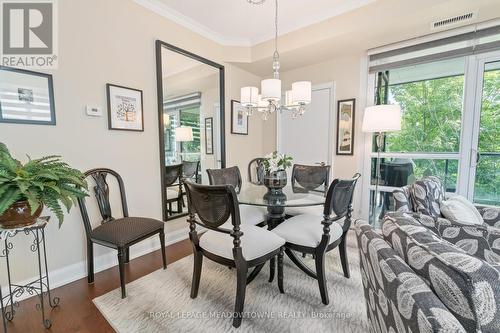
[[269, 99]]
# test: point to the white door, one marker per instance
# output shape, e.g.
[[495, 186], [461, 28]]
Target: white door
[[308, 138]]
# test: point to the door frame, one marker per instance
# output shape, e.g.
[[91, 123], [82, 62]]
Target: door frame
[[330, 86]]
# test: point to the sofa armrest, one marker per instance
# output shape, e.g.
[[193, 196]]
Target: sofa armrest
[[491, 215], [387, 280]]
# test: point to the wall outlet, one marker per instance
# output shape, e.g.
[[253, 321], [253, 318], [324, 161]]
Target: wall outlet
[[93, 111]]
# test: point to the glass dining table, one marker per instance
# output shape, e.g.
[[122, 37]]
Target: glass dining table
[[276, 202]]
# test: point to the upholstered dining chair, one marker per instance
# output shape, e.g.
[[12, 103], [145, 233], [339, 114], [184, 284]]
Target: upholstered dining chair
[[306, 233], [256, 171], [173, 187], [228, 241], [308, 178], [116, 233], [249, 214]]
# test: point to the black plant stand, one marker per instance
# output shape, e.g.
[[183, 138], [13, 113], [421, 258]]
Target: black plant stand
[[39, 287]]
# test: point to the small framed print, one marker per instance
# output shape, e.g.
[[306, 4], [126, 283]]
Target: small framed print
[[125, 108], [239, 119], [26, 97], [345, 126], [209, 136]]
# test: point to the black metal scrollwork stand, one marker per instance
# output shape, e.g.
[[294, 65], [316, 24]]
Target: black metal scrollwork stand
[[39, 287]]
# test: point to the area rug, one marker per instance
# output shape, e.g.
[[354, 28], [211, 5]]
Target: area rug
[[160, 302]]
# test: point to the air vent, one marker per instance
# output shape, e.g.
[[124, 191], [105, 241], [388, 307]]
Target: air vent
[[454, 21]]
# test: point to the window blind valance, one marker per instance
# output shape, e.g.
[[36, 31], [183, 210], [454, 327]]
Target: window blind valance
[[479, 40], [190, 100]]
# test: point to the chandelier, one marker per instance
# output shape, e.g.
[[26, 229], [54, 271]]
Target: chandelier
[[269, 99]]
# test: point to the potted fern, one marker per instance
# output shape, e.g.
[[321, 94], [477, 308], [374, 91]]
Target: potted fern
[[26, 188]]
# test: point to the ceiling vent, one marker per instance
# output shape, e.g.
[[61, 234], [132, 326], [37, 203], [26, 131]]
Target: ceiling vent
[[454, 21]]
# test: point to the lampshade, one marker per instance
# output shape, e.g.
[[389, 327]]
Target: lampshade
[[301, 92], [382, 118], [271, 89], [288, 97], [249, 96], [183, 134]]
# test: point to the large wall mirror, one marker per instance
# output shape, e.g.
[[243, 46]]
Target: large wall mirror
[[191, 122]]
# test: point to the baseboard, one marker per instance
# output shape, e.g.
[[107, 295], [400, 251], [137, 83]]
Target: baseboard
[[62, 276]]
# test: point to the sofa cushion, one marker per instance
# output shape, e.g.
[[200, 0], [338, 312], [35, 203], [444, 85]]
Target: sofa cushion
[[457, 211], [491, 215], [402, 199], [427, 195], [468, 286], [397, 299]]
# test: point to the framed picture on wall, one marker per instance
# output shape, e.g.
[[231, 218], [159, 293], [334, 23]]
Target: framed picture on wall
[[26, 97], [345, 126], [209, 136], [239, 119], [125, 108]]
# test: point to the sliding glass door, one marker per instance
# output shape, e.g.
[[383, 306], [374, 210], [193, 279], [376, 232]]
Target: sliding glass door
[[450, 129], [484, 184]]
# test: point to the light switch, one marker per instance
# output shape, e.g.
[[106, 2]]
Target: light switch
[[94, 111]]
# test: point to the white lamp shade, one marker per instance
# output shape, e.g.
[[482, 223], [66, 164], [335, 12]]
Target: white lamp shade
[[183, 134], [382, 118], [271, 89], [301, 92], [249, 96], [288, 98]]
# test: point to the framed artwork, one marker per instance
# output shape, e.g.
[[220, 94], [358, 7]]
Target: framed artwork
[[26, 97], [345, 126], [209, 136], [125, 108], [239, 119]]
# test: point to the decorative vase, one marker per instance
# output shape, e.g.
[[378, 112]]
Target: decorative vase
[[275, 181], [19, 215]]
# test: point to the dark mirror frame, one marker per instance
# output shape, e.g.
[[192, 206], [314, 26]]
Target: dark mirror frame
[[159, 85]]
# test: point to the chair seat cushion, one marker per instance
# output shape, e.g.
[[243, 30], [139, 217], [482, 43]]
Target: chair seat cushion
[[125, 230], [252, 215], [255, 242], [306, 230], [311, 210]]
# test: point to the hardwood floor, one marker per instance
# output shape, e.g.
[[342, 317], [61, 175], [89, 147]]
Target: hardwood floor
[[76, 312]]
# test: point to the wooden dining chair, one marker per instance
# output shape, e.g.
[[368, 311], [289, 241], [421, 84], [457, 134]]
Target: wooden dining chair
[[173, 188], [231, 176], [228, 241], [307, 178], [256, 171], [116, 233], [309, 234]]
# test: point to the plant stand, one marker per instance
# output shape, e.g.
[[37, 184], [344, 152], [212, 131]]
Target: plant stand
[[39, 287]]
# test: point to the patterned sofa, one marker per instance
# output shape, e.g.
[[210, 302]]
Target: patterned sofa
[[424, 273], [422, 202]]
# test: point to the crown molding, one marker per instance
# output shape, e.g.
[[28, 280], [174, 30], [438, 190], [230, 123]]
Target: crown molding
[[173, 15], [187, 22]]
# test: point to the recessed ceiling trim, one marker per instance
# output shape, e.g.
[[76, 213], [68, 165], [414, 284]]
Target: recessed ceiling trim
[[187, 22], [173, 15]]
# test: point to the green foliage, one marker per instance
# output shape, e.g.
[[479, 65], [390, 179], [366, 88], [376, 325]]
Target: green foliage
[[275, 162], [45, 181]]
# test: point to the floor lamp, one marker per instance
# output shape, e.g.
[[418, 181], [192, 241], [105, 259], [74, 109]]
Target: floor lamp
[[381, 119]]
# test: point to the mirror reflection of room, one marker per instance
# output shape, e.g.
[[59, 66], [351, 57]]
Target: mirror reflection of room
[[191, 113]]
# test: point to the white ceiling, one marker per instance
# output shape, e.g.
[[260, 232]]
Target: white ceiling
[[239, 23]]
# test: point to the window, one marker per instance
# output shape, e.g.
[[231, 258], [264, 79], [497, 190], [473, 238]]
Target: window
[[450, 122]]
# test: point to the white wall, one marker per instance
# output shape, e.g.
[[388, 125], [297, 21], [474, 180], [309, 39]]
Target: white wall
[[103, 42]]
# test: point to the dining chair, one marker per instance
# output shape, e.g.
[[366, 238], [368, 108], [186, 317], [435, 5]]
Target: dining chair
[[308, 178], [256, 171], [116, 233], [306, 233], [173, 187], [228, 241], [191, 170], [231, 176]]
